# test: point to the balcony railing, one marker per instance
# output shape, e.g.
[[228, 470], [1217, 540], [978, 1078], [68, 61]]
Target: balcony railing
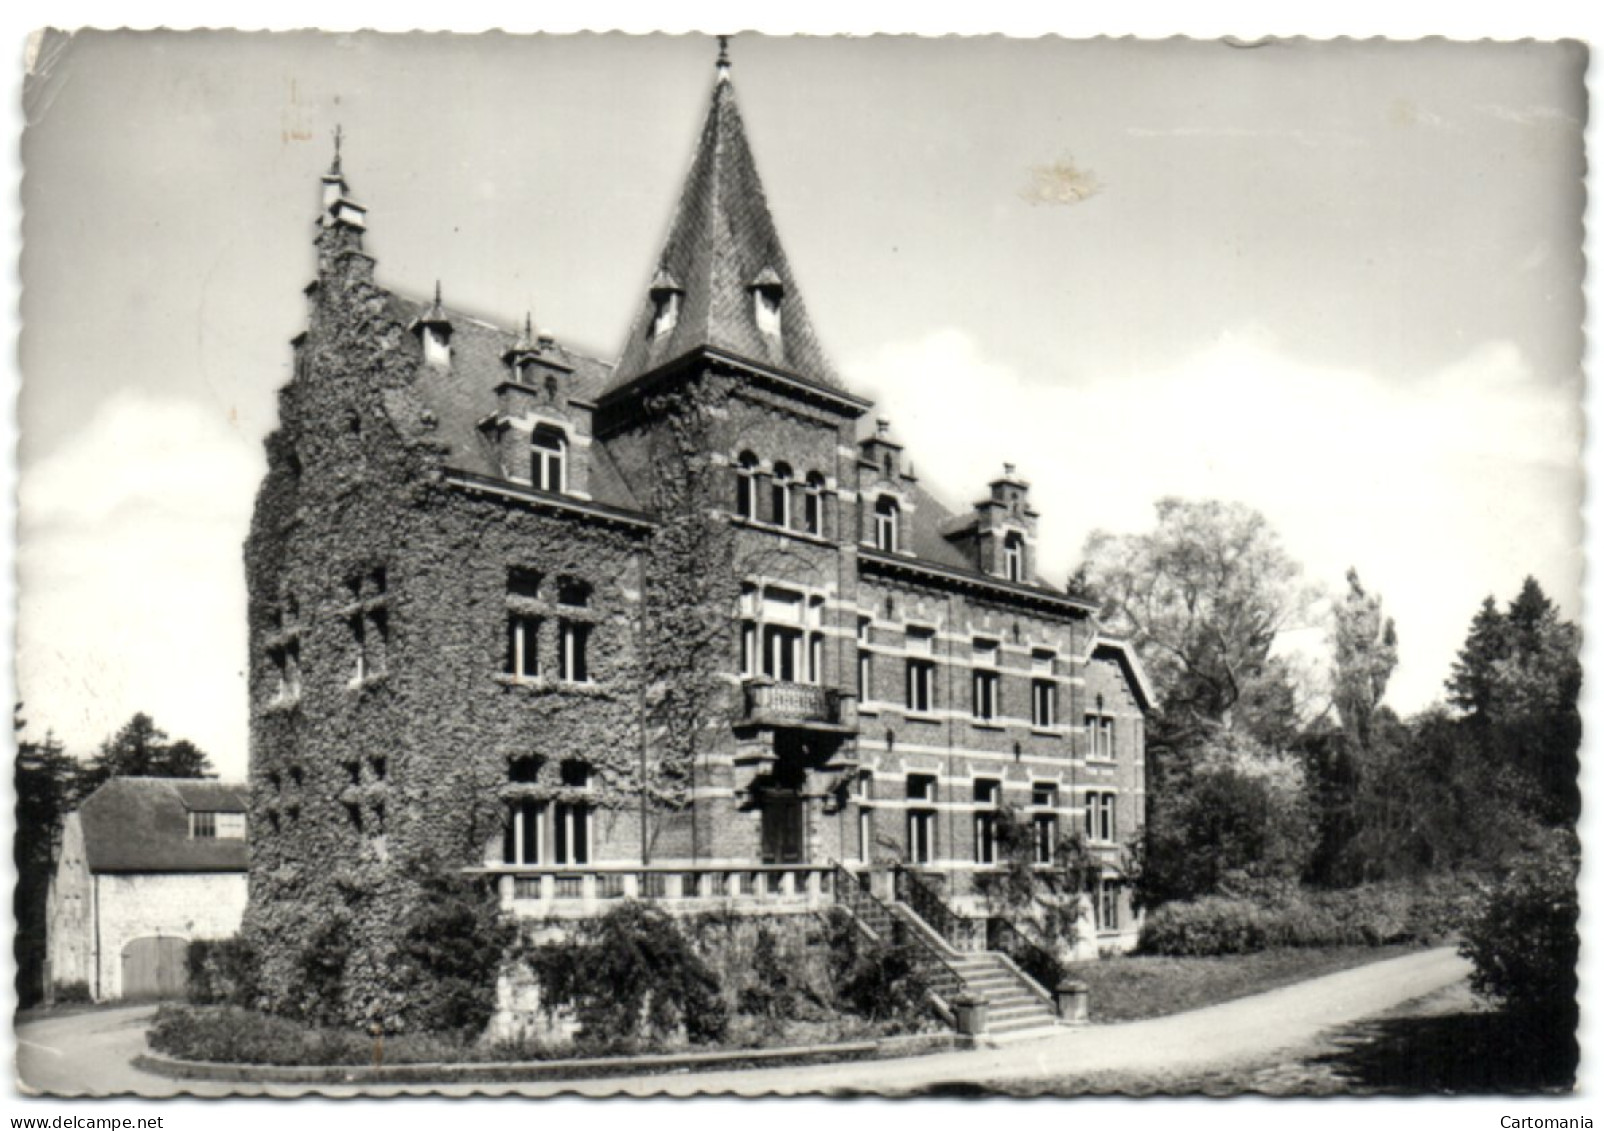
[[771, 701], [536, 891]]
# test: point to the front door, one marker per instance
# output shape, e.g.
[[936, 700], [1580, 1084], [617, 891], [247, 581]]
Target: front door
[[783, 818]]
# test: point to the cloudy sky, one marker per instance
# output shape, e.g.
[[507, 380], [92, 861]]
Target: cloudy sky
[[1340, 283]]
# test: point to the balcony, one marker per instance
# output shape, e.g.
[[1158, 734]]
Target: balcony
[[778, 703]]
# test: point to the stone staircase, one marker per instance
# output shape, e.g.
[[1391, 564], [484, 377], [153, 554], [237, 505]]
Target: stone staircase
[[1015, 1009], [1016, 1006]]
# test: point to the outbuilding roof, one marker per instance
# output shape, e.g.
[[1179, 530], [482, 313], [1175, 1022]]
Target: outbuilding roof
[[143, 825]]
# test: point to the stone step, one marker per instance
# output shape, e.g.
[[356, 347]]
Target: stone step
[[999, 1014], [1020, 1027]]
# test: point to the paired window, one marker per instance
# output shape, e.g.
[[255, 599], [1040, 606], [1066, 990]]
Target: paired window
[[921, 818], [782, 639], [1043, 825], [1043, 703], [522, 660], [921, 690], [563, 825], [1105, 905], [886, 516], [549, 462], [368, 623], [1100, 737], [1100, 817], [212, 825], [988, 796]]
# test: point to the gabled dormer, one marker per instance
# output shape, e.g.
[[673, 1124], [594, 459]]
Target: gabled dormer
[[541, 431], [999, 537], [885, 491]]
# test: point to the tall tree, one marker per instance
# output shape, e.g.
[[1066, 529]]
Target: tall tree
[[141, 750], [1366, 645], [47, 789], [1517, 681], [1202, 597]]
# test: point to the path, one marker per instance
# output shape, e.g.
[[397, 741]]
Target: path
[[89, 1053]]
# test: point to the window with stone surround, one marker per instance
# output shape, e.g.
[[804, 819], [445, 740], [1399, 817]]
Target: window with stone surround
[[746, 485], [921, 818], [548, 459], [813, 504], [573, 635], [1013, 556], [1043, 821], [886, 521], [1100, 737], [780, 495], [1100, 816], [986, 681], [988, 796], [572, 817]]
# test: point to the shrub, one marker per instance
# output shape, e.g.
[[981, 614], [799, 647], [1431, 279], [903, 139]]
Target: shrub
[[221, 971], [456, 939], [879, 980], [630, 976], [1370, 915], [72, 993], [1524, 940]]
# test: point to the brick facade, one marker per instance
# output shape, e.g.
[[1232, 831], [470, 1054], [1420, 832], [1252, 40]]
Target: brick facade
[[465, 569]]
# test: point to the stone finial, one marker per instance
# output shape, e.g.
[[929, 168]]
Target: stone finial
[[723, 58], [882, 427]]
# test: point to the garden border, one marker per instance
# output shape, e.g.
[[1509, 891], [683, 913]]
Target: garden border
[[512, 1072]]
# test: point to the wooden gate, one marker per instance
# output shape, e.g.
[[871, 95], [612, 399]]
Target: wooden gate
[[155, 968]]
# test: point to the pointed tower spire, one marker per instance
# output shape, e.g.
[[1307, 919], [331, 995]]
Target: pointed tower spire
[[339, 210], [722, 281]]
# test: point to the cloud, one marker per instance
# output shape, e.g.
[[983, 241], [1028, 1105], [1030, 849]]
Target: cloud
[[130, 577], [1440, 490]]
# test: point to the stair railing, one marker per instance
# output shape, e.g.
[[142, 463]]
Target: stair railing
[[1031, 957], [925, 901], [864, 905]]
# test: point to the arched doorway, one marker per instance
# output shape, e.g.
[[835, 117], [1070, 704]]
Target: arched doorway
[[155, 968]]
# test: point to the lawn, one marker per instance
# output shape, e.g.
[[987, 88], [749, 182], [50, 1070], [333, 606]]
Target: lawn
[[1134, 987]]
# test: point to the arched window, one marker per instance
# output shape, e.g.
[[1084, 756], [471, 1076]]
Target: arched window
[[745, 485], [813, 504], [885, 523], [1014, 558], [781, 494], [550, 459]]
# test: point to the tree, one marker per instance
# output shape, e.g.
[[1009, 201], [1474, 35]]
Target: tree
[[1524, 941], [141, 750], [1366, 654], [1202, 597], [1234, 819], [1517, 681], [47, 790]]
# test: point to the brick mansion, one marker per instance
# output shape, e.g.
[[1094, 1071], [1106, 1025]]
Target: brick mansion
[[684, 626]]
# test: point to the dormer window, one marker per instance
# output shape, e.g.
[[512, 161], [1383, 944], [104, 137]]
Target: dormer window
[[666, 295], [767, 291], [885, 523], [436, 346], [781, 495], [746, 486], [1013, 558], [549, 459]]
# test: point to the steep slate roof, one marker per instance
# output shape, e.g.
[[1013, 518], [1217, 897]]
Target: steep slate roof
[[142, 825], [464, 394], [721, 242]]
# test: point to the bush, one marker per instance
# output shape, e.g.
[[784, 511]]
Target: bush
[[72, 993], [1524, 940], [456, 939], [221, 971], [882, 981], [1371, 915], [231, 1035], [630, 976]]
